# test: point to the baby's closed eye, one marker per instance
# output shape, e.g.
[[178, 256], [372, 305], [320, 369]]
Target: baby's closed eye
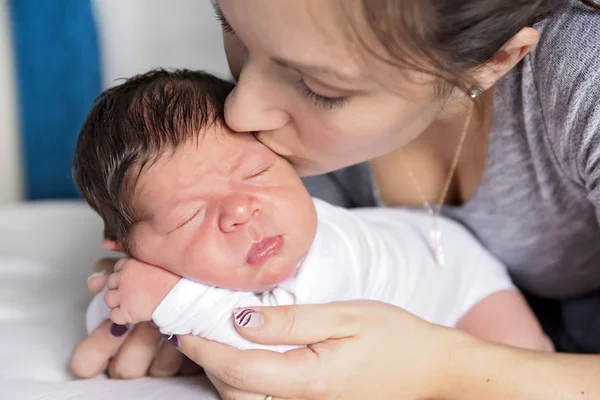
[[190, 216], [259, 172]]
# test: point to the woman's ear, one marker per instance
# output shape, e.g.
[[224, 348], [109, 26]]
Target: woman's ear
[[112, 245], [507, 57]]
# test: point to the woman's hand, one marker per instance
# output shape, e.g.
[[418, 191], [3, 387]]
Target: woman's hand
[[362, 350], [369, 350], [138, 351]]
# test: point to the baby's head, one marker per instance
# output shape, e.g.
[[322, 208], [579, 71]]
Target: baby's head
[[177, 189]]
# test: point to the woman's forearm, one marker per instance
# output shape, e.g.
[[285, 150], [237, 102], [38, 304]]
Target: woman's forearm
[[483, 370]]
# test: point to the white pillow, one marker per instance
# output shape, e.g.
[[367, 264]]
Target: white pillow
[[46, 253]]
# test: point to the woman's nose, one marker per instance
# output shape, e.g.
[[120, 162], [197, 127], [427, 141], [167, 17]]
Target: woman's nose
[[237, 211], [255, 105]]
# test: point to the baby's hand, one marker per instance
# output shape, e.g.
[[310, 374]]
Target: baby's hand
[[135, 290]]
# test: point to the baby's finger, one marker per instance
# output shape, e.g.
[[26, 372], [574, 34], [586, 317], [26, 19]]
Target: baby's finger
[[120, 264], [111, 299], [118, 316], [114, 280]]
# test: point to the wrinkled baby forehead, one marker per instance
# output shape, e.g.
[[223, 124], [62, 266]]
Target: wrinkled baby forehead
[[215, 150], [203, 144]]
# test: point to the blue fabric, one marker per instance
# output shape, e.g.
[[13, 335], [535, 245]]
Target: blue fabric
[[58, 73]]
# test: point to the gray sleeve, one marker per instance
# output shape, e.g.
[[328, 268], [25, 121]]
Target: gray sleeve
[[568, 80]]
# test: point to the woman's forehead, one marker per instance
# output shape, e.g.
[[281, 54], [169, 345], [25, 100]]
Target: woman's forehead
[[326, 38], [299, 32]]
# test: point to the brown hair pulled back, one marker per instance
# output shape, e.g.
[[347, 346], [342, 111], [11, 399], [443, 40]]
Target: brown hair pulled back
[[445, 38]]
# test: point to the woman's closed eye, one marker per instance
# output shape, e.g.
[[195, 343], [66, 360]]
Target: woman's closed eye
[[319, 99]]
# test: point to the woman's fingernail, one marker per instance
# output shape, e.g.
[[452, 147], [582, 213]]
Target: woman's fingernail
[[248, 318], [118, 330], [96, 275], [172, 340]]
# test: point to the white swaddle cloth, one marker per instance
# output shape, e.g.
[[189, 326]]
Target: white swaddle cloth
[[372, 254]]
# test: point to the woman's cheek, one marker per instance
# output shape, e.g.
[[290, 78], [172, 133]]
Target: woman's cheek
[[235, 52]]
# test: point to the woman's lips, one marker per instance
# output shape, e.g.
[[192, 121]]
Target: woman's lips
[[263, 250]]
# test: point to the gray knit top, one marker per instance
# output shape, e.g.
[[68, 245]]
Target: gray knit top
[[538, 203]]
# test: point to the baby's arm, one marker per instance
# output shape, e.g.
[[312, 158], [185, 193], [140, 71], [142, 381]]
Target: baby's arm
[[139, 292], [488, 304], [505, 317]]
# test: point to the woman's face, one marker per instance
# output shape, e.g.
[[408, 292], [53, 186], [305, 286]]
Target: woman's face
[[305, 88]]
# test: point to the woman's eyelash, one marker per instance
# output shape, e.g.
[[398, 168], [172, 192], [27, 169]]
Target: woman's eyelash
[[320, 100], [224, 24]]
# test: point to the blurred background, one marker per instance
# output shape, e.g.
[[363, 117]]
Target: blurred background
[[56, 56]]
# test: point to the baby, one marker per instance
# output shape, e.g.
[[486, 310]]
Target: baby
[[224, 223]]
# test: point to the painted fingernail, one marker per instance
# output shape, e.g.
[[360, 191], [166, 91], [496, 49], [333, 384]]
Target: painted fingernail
[[118, 330], [172, 340], [96, 275], [248, 318]]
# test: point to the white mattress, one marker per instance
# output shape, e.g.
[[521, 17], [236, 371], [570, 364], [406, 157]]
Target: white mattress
[[46, 252]]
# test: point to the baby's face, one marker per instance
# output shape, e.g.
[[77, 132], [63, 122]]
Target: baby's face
[[225, 211]]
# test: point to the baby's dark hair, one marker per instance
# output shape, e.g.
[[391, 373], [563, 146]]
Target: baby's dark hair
[[132, 124]]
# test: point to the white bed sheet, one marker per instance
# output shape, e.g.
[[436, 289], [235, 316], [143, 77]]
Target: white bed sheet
[[46, 250]]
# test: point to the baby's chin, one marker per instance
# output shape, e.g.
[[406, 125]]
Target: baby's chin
[[264, 285], [266, 279]]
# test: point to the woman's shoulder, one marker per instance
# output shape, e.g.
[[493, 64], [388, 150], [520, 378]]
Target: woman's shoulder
[[566, 70], [569, 41]]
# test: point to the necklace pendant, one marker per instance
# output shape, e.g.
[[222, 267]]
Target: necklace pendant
[[436, 244]]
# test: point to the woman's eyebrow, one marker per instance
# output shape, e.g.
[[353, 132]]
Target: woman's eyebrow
[[321, 70]]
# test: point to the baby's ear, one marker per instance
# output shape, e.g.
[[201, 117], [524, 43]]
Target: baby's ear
[[112, 245]]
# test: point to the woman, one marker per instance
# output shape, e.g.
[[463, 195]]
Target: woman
[[333, 83]]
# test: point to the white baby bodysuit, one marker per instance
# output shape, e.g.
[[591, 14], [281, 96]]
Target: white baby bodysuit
[[379, 254]]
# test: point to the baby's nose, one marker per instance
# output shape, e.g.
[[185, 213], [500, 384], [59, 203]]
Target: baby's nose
[[237, 212]]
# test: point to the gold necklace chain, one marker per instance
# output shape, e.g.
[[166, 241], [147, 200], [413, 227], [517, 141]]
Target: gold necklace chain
[[436, 234]]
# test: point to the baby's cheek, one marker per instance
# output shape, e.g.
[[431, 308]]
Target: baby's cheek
[[271, 277], [220, 277]]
